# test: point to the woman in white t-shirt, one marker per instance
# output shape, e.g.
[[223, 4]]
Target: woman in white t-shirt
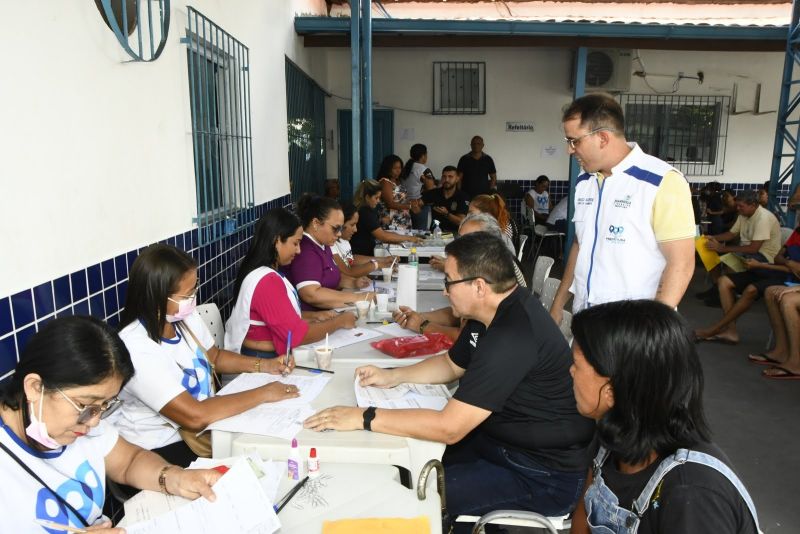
[[356, 265], [55, 452], [537, 201], [175, 358]]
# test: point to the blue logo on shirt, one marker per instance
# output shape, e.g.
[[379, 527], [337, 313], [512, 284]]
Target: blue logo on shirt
[[84, 492], [616, 230], [616, 234], [196, 379]]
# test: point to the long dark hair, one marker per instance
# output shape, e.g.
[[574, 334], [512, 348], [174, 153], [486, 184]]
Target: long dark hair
[[154, 276], [416, 153], [311, 207], [277, 223], [388, 162], [646, 350], [68, 352]]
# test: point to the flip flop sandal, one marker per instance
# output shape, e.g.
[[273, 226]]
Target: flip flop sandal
[[784, 374], [762, 359]]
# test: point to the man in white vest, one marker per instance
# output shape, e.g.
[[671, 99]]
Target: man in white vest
[[634, 223]]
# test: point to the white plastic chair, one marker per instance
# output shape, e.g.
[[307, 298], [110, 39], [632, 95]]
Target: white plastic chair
[[522, 240], [213, 319], [541, 270], [549, 289], [542, 232], [565, 326]]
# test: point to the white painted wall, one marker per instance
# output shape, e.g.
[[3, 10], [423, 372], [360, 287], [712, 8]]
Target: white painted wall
[[96, 151], [532, 84]]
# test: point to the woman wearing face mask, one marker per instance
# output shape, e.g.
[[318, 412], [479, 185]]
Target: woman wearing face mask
[[267, 305], [175, 359], [55, 448], [636, 372], [313, 271], [369, 229], [355, 265]]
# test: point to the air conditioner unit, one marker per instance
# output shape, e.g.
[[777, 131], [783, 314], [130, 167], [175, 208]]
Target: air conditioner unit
[[607, 69]]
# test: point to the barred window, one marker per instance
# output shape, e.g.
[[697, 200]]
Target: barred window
[[459, 88], [689, 132], [219, 89]]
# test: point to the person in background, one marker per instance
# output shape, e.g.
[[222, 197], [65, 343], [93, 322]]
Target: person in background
[[729, 211], [394, 198], [557, 219], [175, 359], [537, 200], [415, 177], [369, 227], [332, 189], [57, 446], [763, 195], [636, 372], [313, 272], [714, 208], [783, 308], [514, 437], [478, 173], [449, 203], [267, 306], [495, 206], [355, 265], [634, 222]]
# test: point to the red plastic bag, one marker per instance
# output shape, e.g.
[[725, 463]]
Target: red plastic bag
[[410, 346]]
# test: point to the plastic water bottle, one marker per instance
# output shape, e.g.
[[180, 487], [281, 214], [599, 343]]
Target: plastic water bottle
[[437, 232], [413, 260]]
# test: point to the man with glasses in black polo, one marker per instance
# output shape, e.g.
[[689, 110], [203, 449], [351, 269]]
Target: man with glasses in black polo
[[634, 223], [515, 439]]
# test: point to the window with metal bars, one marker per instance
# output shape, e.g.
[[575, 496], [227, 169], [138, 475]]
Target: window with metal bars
[[689, 132], [459, 88], [219, 89]]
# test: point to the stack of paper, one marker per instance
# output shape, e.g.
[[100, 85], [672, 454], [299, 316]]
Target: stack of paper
[[431, 396], [343, 338]]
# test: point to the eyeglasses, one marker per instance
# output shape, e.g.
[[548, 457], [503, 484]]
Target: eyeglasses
[[448, 283], [88, 412], [336, 229], [573, 142], [191, 295]]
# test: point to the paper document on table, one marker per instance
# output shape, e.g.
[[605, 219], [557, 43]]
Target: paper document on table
[[241, 506], [343, 338], [394, 330], [430, 396], [268, 473], [267, 420], [309, 386]]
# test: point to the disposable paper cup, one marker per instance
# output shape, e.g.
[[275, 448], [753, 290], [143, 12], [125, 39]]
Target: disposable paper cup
[[387, 274], [383, 302], [324, 357], [362, 306]]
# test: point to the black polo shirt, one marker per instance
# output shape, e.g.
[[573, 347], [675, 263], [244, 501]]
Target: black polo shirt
[[475, 174], [457, 204], [518, 368], [363, 242]]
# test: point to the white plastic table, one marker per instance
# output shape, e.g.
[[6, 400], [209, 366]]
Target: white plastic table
[[348, 491]]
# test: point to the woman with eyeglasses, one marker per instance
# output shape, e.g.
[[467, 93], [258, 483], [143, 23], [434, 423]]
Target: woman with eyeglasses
[[314, 272], [55, 448], [267, 306], [369, 228], [171, 396], [636, 372]]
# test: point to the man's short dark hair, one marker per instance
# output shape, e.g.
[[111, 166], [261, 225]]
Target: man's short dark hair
[[480, 254], [748, 196], [449, 168], [597, 110]]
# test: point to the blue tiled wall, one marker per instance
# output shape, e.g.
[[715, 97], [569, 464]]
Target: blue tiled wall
[[559, 188], [100, 289]]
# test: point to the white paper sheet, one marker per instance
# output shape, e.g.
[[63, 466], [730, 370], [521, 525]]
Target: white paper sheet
[[241, 506], [343, 338], [431, 396], [269, 473], [309, 386], [394, 330], [267, 420]]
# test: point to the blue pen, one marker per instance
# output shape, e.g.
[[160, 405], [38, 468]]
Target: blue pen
[[288, 351]]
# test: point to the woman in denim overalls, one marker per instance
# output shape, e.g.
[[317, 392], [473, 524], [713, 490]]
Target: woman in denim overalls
[[636, 372]]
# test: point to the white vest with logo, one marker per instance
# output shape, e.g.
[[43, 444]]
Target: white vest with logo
[[619, 257], [239, 322]]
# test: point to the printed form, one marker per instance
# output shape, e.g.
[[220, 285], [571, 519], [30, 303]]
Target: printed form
[[430, 396]]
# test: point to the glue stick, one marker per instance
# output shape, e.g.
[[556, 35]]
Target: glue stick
[[293, 464], [313, 464]]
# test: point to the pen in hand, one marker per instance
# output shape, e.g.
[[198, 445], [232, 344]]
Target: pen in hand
[[285, 372]]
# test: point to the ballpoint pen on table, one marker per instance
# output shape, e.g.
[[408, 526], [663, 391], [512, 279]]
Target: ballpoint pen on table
[[286, 498], [313, 369]]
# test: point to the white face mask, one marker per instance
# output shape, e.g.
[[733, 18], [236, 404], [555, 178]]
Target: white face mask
[[185, 308], [37, 430]]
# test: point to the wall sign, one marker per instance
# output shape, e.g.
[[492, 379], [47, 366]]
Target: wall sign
[[520, 126]]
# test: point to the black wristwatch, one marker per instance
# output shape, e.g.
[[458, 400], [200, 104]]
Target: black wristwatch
[[369, 415], [423, 325]]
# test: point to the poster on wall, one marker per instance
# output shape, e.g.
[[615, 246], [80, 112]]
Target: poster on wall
[[551, 151]]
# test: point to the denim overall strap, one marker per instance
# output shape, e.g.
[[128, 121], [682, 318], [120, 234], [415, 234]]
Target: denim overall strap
[[680, 457], [599, 460]]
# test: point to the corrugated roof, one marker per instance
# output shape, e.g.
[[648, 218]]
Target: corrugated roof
[[763, 13]]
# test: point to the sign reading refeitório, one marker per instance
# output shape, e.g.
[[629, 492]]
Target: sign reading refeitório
[[520, 126]]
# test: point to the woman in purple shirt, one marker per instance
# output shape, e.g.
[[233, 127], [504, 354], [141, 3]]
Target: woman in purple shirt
[[314, 272]]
